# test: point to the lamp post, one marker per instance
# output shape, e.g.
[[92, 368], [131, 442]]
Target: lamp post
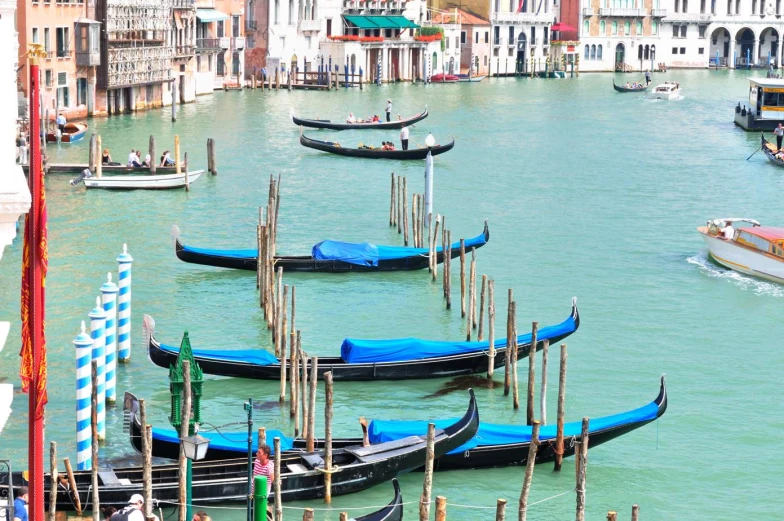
[[194, 446], [249, 409]]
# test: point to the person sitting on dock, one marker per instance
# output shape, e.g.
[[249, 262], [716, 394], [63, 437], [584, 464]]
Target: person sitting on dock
[[351, 119], [133, 159], [166, 159], [106, 157], [263, 466], [147, 161]]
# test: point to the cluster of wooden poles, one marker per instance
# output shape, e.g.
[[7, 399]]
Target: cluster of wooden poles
[[324, 80], [266, 234]]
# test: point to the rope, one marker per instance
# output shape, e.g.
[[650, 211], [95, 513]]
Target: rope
[[351, 508], [325, 471]]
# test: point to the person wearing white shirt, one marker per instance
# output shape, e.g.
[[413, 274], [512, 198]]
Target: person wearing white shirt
[[60, 122], [133, 159], [389, 110], [728, 232], [404, 138]]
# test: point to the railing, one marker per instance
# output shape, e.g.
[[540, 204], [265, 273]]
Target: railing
[[183, 50], [524, 17], [587, 11], [658, 13], [49, 55], [65, 52], [618, 11], [88, 59], [250, 25], [224, 42], [183, 4], [203, 44], [309, 25], [239, 42]]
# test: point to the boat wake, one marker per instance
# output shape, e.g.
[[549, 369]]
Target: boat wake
[[744, 282]]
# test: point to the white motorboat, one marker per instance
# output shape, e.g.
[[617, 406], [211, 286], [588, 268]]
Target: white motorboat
[[139, 182], [666, 91], [754, 250]]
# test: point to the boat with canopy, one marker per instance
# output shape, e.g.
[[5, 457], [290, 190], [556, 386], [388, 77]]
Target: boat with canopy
[[379, 125], [327, 256], [355, 468], [393, 359], [374, 153], [494, 445]]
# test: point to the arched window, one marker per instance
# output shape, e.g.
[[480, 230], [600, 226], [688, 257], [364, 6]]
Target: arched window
[[593, 52], [435, 61], [638, 28], [277, 10], [654, 28], [599, 52], [353, 62], [586, 27], [627, 28], [615, 27], [639, 52], [602, 28], [646, 54], [587, 51]]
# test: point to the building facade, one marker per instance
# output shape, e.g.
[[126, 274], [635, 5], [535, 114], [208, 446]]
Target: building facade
[[450, 23], [220, 44], [521, 34], [474, 43]]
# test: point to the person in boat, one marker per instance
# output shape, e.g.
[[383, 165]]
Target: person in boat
[[388, 145], [404, 138], [133, 159], [61, 122], [263, 466], [628, 86], [351, 119], [728, 232], [647, 77], [779, 131], [166, 159], [201, 515], [388, 110]]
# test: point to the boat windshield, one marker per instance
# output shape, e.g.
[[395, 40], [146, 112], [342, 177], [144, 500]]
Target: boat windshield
[[754, 241]]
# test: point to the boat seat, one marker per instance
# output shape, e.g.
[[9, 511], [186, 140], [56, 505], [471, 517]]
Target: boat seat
[[109, 478], [362, 452], [314, 460], [296, 467]]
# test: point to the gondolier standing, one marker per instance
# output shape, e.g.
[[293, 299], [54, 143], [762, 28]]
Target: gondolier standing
[[404, 138], [389, 110], [647, 77], [61, 122], [779, 135]]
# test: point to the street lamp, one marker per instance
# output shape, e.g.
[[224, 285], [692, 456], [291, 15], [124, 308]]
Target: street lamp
[[195, 447]]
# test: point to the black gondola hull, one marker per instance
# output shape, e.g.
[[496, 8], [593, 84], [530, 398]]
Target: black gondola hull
[[381, 125], [620, 88], [770, 154], [375, 153]]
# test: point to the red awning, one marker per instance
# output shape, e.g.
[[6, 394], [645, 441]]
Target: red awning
[[561, 27]]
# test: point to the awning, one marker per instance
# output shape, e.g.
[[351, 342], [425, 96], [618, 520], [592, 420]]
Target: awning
[[380, 22], [210, 15]]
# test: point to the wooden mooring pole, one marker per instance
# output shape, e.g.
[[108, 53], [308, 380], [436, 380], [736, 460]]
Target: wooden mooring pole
[[559, 429], [491, 327], [529, 416], [427, 488], [146, 459], [277, 481], [612, 516], [462, 279], [399, 204], [305, 394], [482, 297], [185, 418], [529, 472], [311, 442], [511, 344], [53, 482], [543, 392], [448, 271], [515, 386], [72, 484], [282, 339], [581, 462], [392, 213], [151, 150], [635, 512], [440, 508], [405, 213], [500, 509], [328, 437]]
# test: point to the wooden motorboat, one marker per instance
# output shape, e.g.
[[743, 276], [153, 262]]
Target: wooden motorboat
[[622, 88], [465, 78], [444, 78], [355, 468], [375, 153], [380, 125], [755, 250], [666, 91], [138, 182], [394, 359], [72, 132], [770, 151], [77, 168], [328, 256], [494, 445]]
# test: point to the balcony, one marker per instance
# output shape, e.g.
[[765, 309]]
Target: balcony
[[49, 55], [250, 25], [687, 18], [618, 11], [184, 4], [515, 18], [224, 42], [306, 26], [658, 13], [587, 11], [207, 44], [88, 59], [183, 51], [63, 52], [239, 42]]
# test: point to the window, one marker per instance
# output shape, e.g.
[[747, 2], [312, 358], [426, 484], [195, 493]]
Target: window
[[737, 6], [221, 68], [701, 50], [220, 29], [685, 6], [599, 52], [533, 35], [753, 240], [593, 52], [476, 37], [587, 27], [638, 28], [674, 50], [48, 77], [497, 35], [446, 40], [81, 91], [702, 29], [778, 7], [511, 36], [615, 27], [546, 33], [683, 50], [654, 28], [702, 6], [47, 47], [729, 6], [487, 36], [677, 6], [753, 6], [485, 60], [62, 89], [435, 61], [309, 42], [602, 28], [462, 37], [627, 28], [235, 26], [277, 10], [587, 52], [35, 34], [683, 30], [235, 64], [675, 31], [147, 93], [62, 42]]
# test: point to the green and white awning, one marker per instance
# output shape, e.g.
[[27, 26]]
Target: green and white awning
[[210, 15], [380, 22]]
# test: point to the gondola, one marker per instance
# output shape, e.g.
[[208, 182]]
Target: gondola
[[355, 468], [770, 151], [72, 132], [392, 512], [621, 88], [327, 256], [380, 125], [374, 153], [398, 359], [494, 445]]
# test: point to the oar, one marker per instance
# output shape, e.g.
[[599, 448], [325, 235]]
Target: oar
[[758, 149]]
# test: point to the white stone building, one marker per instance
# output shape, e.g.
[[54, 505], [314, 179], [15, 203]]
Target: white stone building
[[520, 33]]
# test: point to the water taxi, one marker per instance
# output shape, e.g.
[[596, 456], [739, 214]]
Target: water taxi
[[754, 250], [666, 91], [766, 109]]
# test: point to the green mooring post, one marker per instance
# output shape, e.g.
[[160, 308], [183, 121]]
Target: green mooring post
[[260, 498]]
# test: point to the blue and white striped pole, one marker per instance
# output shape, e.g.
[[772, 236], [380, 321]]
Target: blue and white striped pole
[[124, 307], [84, 388], [109, 293], [97, 327]]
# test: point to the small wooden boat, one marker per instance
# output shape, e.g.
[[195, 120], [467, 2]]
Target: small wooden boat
[[72, 132], [494, 445], [621, 88], [444, 78], [328, 256], [381, 125], [393, 359], [77, 168], [138, 182], [355, 468], [770, 151], [666, 91], [374, 153], [755, 250], [465, 78]]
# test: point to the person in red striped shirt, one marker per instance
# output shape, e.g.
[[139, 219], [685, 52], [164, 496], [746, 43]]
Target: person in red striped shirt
[[263, 466]]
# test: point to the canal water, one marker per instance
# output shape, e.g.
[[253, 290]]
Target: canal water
[[588, 193]]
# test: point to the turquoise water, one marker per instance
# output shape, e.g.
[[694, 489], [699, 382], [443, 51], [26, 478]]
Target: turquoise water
[[588, 193]]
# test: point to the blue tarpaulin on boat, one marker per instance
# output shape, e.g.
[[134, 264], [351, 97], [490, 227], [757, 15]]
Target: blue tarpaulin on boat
[[248, 356], [236, 441], [490, 434], [366, 254], [354, 351], [236, 254]]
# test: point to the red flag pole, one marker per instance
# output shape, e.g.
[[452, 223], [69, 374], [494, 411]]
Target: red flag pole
[[34, 233]]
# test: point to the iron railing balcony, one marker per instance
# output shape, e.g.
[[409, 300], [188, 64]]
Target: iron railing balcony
[[208, 44]]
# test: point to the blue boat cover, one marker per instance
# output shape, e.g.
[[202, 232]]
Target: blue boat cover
[[490, 434], [236, 254], [235, 441], [355, 351], [248, 356], [366, 254]]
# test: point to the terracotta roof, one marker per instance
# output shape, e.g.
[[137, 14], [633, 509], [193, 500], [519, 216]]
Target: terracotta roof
[[465, 18], [770, 233]]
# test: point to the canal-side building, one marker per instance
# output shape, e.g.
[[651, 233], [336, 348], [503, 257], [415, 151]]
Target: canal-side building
[[622, 35], [521, 33], [474, 43], [220, 44], [449, 21], [183, 43]]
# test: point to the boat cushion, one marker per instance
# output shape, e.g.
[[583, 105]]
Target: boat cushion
[[247, 356], [356, 351], [230, 441], [490, 434], [296, 467]]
